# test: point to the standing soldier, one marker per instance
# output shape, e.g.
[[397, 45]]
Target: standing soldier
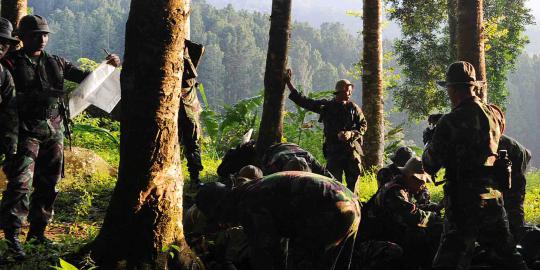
[[189, 128], [9, 121], [344, 126], [515, 196], [39, 79], [465, 143]]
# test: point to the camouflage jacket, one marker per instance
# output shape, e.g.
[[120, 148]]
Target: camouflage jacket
[[465, 142], [336, 117], [279, 154], [9, 119], [520, 157], [40, 88], [285, 197], [396, 210], [191, 103], [390, 172]]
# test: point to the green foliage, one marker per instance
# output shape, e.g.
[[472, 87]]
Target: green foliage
[[424, 50], [64, 266], [101, 135]]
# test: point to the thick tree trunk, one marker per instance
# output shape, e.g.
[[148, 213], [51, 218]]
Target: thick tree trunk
[[271, 128], [452, 28], [14, 10], [145, 212], [470, 37], [372, 85]]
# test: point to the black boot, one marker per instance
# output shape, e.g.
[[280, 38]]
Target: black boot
[[37, 234], [14, 245]]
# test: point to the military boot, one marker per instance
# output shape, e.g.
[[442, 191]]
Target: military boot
[[37, 234], [14, 245]]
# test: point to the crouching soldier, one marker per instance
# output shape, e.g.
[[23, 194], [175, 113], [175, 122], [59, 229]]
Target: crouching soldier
[[319, 216], [404, 222], [279, 156]]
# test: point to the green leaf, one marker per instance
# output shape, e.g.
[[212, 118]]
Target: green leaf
[[203, 95], [95, 130]]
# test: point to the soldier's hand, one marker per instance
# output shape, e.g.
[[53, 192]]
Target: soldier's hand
[[288, 75], [342, 136], [113, 60]]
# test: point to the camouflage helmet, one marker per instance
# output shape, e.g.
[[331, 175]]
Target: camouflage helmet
[[414, 167], [341, 85], [250, 172], [6, 30], [402, 155], [33, 24], [460, 73], [297, 164]]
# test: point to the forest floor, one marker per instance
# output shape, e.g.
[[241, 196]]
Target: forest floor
[[85, 193]]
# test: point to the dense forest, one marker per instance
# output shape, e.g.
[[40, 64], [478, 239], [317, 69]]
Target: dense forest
[[236, 43]]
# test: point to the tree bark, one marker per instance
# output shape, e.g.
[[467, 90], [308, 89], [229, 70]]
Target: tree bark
[[14, 10], [452, 28], [372, 85], [271, 127], [470, 38], [145, 212]]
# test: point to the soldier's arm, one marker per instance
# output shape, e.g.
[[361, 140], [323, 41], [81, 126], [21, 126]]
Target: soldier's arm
[[72, 72], [405, 211], [318, 168], [360, 125], [310, 104], [435, 153], [9, 118]]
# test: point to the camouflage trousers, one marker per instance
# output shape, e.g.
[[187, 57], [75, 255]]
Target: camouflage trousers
[[37, 164], [189, 137], [513, 204], [322, 240], [376, 255], [337, 165], [479, 220]]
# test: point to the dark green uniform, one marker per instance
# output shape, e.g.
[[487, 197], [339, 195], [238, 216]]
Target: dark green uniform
[[390, 172], [515, 197], [403, 222], [342, 157], [277, 156], [9, 119], [39, 159], [319, 215], [189, 129], [465, 142]]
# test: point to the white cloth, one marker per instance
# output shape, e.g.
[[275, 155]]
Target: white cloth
[[101, 88]]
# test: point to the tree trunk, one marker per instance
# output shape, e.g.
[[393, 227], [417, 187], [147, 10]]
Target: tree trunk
[[271, 128], [372, 86], [452, 28], [470, 38], [14, 10], [145, 212]]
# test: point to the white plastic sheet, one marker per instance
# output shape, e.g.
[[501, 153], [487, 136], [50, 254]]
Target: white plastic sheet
[[101, 88]]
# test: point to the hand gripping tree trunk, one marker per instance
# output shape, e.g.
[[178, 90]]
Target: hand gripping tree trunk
[[145, 212], [470, 37], [372, 86], [271, 127], [14, 10]]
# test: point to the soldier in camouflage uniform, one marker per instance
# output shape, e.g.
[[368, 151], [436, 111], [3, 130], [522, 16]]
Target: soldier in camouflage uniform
[[401, 219], [390, 171], [38, 163], [278, 155], [344, 125], [190, 129], [515, 197], [9, 119], [465, 143], [319, 215]]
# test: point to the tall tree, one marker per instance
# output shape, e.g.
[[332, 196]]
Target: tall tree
[[145, 212], [271, 128], [372, 85], [470, 37], [14, 10]]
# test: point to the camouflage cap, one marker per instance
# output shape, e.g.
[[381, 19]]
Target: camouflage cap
[[341, 85], [6, 30], [33, 24], [460, 73], [402, 155], [414, 167]]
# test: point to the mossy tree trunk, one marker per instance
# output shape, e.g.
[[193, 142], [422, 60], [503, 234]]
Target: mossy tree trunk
[[145, 212], [372, 84], [271, 127], [470, 38]]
